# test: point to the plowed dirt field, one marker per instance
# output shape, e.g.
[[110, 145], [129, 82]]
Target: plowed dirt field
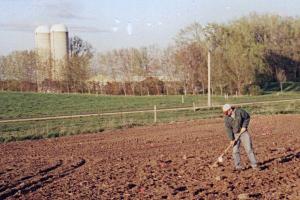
[[165, 161]]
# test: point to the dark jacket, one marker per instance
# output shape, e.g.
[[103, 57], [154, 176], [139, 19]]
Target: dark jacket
[[233, 126]]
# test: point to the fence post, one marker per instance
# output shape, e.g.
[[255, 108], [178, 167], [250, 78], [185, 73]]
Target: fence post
[[155, 116], [47, 129], [182, 99], [194, 107], [225, 96]]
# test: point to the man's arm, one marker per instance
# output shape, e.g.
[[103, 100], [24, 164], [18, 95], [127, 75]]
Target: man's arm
[[229, 130], [246, 120]]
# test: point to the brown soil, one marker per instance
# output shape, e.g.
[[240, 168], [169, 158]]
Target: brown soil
[[168, 161]]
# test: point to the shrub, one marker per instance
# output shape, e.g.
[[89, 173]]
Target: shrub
[[252, 90], [255, 90], [10, 139], [29, 137], [53, 134]]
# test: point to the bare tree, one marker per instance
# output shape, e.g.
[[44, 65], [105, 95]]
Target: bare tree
[[2, 71], [191, 54], [170, 70], [77, 71], [20, 67], [281, 77]]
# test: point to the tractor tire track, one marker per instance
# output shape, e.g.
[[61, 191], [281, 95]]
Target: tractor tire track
[[32, 183], [24, 178]]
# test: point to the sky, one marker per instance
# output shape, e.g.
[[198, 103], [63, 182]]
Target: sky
[[111, 24]]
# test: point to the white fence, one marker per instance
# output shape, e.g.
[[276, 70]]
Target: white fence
[[154, 111]]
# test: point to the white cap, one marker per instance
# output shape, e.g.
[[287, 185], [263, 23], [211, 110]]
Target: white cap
[[59, 28], [226, 107], [42, 29]]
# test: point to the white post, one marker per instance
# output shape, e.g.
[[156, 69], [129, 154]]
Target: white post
[[226, 96], [182, 99], [155, 116], [208, 78]]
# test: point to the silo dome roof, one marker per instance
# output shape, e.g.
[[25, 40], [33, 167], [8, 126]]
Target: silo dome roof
[[42, 29], [59, 28]]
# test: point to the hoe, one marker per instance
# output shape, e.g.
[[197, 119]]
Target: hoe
[[220, 158]]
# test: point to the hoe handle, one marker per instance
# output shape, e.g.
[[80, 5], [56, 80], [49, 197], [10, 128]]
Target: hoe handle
[[229, 146], [232, 144]]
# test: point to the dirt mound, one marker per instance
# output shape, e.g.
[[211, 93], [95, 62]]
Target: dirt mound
[[169, 161]]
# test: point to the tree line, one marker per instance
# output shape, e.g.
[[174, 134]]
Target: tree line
[[246, 53]]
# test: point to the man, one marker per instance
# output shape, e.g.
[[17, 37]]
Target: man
[[237, 121]]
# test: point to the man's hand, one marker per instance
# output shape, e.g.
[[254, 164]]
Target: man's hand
[[232, 142], [243, 129]]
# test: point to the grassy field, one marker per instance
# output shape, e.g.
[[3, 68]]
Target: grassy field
[[15, 105], [26, 105]]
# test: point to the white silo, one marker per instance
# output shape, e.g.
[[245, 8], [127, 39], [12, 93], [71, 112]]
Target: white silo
[[42, 42], [43, 51], [59, 49]]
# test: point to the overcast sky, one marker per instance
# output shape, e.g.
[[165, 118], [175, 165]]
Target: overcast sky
[[109, 24]]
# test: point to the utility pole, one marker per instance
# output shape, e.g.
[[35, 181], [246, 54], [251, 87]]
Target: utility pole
[[208, 80]]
